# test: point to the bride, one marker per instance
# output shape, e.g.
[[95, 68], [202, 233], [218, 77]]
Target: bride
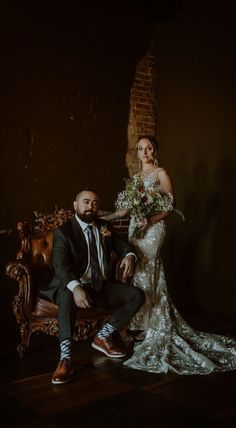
[[169, 343]]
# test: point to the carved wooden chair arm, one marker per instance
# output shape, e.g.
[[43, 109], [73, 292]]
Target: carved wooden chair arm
[[23, 301]]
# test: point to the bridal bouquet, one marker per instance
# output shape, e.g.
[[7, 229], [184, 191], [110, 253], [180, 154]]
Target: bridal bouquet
[[143, 202]]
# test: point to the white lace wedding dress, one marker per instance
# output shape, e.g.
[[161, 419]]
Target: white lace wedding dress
[[169, 344]]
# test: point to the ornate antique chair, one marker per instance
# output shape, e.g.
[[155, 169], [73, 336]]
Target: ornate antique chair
[[33, 268]]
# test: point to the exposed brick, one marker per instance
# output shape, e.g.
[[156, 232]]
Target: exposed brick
[[142, 118], [148, 99], [140, 87], [145, 120], [143, 105]]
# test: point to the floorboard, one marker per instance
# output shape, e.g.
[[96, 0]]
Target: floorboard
[[104, 393]]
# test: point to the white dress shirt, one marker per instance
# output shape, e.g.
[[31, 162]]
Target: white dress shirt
[[87, 277]]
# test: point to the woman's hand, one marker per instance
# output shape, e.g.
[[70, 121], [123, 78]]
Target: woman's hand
[[143, 224], [149, 221]]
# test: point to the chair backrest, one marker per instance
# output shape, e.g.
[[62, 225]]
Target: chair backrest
[[36, 238], [41, 249], [41, 261], [36, 247]]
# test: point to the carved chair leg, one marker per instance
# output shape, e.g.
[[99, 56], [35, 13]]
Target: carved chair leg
[[25, 333]]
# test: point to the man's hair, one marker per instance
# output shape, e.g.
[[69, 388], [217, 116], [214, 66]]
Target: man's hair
[[86, 189]]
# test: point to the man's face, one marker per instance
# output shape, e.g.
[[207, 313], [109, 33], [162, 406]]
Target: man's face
[[86, 206]]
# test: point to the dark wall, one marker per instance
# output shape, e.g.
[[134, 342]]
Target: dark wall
[[65, 81], [65, 78], [196, 94]]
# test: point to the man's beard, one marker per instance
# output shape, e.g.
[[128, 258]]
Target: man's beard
[[87, 216]]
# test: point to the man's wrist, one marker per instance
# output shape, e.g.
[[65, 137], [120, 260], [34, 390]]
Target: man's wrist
[[132, 254], [72, 284]]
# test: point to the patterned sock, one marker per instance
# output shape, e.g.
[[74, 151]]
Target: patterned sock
[[106, 330], [65, 346]]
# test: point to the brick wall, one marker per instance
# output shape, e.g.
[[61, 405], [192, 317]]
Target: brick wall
[[122, 226], [143, 107]]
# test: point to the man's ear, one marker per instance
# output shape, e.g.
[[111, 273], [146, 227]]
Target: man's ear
[[75, 205]]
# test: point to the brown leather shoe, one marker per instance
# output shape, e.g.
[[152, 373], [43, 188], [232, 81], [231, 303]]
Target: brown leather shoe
[[63, 372], [108, 347]]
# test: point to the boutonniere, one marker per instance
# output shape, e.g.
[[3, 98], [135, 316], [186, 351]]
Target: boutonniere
[[105, 231]]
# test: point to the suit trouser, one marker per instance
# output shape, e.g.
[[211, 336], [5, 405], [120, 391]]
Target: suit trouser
[[122, 299]]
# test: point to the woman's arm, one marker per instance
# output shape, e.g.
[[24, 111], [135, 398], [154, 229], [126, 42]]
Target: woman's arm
[[149, 221], [165, 182], [167, 188], [121, 213]]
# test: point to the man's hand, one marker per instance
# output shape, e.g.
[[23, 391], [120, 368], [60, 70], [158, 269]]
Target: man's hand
[[82, 299], [127, 265]]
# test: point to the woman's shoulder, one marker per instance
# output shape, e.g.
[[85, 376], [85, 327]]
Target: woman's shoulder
[[161, 175], [138, 174], [161, 172], [160, 169]]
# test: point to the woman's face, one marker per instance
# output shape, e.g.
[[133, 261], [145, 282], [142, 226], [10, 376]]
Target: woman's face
[[145, 151]]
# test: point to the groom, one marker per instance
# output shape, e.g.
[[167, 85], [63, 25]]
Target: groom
[[81, 252]]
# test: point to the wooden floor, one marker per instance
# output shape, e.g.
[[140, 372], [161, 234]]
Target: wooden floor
[[103, 393]]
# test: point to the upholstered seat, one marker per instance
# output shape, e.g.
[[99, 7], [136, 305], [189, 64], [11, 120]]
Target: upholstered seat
[[32, 269]]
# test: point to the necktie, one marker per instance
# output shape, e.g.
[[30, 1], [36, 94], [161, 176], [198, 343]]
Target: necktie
[[95, 267]]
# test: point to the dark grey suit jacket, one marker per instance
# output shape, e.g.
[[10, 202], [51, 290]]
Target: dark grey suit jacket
[[70, 253]]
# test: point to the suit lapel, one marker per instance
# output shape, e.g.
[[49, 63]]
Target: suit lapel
[[78, 236]]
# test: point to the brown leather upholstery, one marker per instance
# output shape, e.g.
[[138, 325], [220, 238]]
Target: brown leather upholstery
[[42, 249], [44, 309]]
